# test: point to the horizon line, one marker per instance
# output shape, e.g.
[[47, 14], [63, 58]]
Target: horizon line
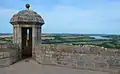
[[73, 33]]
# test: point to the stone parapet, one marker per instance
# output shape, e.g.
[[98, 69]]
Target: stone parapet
[[67, 56], [8, 57]]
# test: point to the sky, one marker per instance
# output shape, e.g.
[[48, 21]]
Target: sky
[[67, 16]]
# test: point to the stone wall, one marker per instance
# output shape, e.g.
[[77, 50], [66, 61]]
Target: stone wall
[[8, 57], [83, 57], [3, 46]]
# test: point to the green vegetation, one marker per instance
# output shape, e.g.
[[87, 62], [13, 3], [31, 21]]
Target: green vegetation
[[84, 39], [75, 39]]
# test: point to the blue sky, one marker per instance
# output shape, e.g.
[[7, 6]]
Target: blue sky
[[67, 16]]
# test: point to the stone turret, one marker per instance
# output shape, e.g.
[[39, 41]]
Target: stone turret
[[27, 21]]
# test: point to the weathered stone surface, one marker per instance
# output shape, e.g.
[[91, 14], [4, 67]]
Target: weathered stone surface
[[27, 16], [5, 62], [73, 59], [7, 57], [1, 55], [32, 67], [6, 54], [22, 22]]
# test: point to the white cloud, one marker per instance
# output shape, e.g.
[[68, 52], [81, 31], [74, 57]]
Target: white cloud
[[64, 16], [73, 19], [68, 18]]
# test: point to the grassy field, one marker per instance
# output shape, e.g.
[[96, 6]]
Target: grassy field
[[75, 39]]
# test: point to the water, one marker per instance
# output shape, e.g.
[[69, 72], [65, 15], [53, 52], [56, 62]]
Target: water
[[99, 37]]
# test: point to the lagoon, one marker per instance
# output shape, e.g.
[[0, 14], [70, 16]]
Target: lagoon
[[99, 37]]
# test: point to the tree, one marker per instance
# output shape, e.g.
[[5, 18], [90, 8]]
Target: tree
[[108, 45]]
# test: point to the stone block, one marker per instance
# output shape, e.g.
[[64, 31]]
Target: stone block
[[100, 65], [1, 53], [1, 57], [5, 62], [38, 55], [118, 72], [6, 54], [54, 61], [38, 60], [14, 59], [81, 64], [89, 65]]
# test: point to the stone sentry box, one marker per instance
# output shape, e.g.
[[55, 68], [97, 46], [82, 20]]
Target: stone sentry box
[[23, 21]]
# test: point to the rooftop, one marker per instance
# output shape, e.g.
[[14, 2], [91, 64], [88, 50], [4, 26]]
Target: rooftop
[[27, 16]]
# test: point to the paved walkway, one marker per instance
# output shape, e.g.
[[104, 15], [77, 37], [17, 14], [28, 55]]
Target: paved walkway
[[31, 67]]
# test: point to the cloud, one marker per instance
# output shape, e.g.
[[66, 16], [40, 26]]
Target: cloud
[[66, 18], [73, 16], [73, 19]]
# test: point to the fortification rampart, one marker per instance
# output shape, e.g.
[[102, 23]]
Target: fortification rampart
[[8, 55], [81, 57]]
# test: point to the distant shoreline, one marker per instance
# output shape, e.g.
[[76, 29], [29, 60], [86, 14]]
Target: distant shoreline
[[66, 34]]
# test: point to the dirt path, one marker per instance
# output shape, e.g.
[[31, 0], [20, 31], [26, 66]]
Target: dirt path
[[31, 67]]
